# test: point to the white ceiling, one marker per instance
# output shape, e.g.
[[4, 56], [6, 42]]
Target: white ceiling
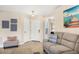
[[45, 10]]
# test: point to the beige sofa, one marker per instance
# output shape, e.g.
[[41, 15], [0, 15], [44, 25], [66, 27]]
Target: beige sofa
[[67, 44]]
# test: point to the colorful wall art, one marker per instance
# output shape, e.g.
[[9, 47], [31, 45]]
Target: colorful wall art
[[71, 17]]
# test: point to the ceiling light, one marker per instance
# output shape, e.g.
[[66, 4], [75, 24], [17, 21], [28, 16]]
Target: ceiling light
[[33, 13]]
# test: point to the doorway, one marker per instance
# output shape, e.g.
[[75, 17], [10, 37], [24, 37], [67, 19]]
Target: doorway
[[33, 29]]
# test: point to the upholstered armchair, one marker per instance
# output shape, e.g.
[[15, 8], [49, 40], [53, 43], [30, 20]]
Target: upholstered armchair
[[11, 42]]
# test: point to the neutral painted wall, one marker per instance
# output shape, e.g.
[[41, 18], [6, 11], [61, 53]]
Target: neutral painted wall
[[23, 29], [59, 21], [4, 33]]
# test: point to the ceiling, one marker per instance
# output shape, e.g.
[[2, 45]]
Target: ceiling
[[44, 10]]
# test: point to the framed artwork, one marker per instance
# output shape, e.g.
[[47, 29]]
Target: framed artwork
[[71, 17], [13, 27], [13, 20], [13, 24], [5, 24]]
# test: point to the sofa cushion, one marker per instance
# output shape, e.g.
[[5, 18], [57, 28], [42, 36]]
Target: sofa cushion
[[69, 40], [59, 36], [68, 44], [77, 46], [70, 37], [53, 38], [47, 44], [58, 49]]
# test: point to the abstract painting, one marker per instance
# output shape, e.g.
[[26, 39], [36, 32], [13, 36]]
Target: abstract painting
[[71, 17]]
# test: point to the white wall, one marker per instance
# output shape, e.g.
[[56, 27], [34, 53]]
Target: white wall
[[4, 33], [23, 27], [59, 21]]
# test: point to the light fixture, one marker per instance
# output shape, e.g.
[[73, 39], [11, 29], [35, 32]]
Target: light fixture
[[33, 13]]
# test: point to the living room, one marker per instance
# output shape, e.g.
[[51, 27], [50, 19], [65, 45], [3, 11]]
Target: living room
[[24, 29]]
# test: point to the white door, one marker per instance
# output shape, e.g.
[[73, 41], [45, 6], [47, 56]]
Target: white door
[[33, 29], [36, 29]]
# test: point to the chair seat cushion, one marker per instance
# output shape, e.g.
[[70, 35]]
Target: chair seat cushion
[[58, 49]]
